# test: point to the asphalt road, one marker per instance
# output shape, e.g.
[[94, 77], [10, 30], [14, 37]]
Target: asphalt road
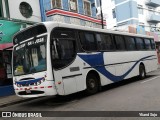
[[129, 95]]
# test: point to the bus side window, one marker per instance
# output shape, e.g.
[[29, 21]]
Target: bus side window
[[88, 41], [82, 40], [140, 44], [130, 42], [147, 44], [120, 42], [152, 44], [63, 48], [105, 42]]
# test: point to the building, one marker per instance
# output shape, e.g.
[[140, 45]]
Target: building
[[80, 12], [135, 16], [15, 15], [144, 15]]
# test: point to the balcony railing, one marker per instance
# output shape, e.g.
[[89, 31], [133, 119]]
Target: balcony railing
[[155, 18], [153, 3]]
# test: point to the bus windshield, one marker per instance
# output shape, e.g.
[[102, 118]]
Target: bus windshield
[[30, 57]]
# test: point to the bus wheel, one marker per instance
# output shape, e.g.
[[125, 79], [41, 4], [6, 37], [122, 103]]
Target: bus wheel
[[142, 72], [92, 84]]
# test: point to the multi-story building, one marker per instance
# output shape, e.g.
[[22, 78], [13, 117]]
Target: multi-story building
[[136, 16], [81, 12], [142, 14]]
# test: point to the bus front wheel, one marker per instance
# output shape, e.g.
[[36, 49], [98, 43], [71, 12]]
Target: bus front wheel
[[92, 84], [142, 72]]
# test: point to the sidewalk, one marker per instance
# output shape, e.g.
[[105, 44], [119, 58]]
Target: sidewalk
[[13, 99]]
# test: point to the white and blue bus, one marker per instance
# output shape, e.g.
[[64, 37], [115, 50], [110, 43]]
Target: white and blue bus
[[59, 59]]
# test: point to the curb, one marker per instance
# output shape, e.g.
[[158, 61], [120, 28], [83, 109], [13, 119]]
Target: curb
[[16, 102], [6, 90]]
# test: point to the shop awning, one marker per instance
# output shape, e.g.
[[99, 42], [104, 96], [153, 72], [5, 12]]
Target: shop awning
[[6, 45]]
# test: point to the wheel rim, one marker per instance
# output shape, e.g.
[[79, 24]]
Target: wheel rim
[[142, 72], [91, 84]]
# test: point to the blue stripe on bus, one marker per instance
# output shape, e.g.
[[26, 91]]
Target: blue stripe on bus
[[96, 60], [27, 82]]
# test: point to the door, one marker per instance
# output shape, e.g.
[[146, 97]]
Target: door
[[63, 52]]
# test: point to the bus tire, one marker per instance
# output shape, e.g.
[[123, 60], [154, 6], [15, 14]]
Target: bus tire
[[92, 84], [142, 72]]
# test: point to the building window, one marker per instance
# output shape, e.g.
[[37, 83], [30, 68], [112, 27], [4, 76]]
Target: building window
[[1, 9], [87, 8], [73, 5], [140, 9], [151, 10], [26, 9], [98, 3], [1, 14], [114, 13], [56, 4]]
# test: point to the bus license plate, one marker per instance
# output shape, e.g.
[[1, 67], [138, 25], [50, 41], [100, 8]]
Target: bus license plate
[[28, 91]]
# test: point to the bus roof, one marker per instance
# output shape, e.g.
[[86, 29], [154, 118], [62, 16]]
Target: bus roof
[[51, 24], [78, 27]]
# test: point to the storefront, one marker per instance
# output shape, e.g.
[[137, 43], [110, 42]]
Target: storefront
[[7, 30]]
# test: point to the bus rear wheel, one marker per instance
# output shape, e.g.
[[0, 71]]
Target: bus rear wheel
[[142, 72], [92, 84]]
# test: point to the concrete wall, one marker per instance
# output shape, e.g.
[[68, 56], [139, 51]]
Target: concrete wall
[[126, 11]]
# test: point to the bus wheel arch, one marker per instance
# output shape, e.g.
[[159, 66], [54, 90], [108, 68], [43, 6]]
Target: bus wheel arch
[[142, 71], [93, 83]]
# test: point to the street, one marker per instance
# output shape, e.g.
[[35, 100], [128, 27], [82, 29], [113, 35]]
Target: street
[[128, 95]]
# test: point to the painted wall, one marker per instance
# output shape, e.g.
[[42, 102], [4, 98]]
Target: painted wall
[[119, 1], [93, 7], [126, 11], [65, 6], [107, 7], [15, 12], [144, 17]]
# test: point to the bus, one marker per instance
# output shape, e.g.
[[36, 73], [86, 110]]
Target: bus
[[52, 58]]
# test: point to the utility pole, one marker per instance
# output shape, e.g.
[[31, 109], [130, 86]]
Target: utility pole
[[101, 14]]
